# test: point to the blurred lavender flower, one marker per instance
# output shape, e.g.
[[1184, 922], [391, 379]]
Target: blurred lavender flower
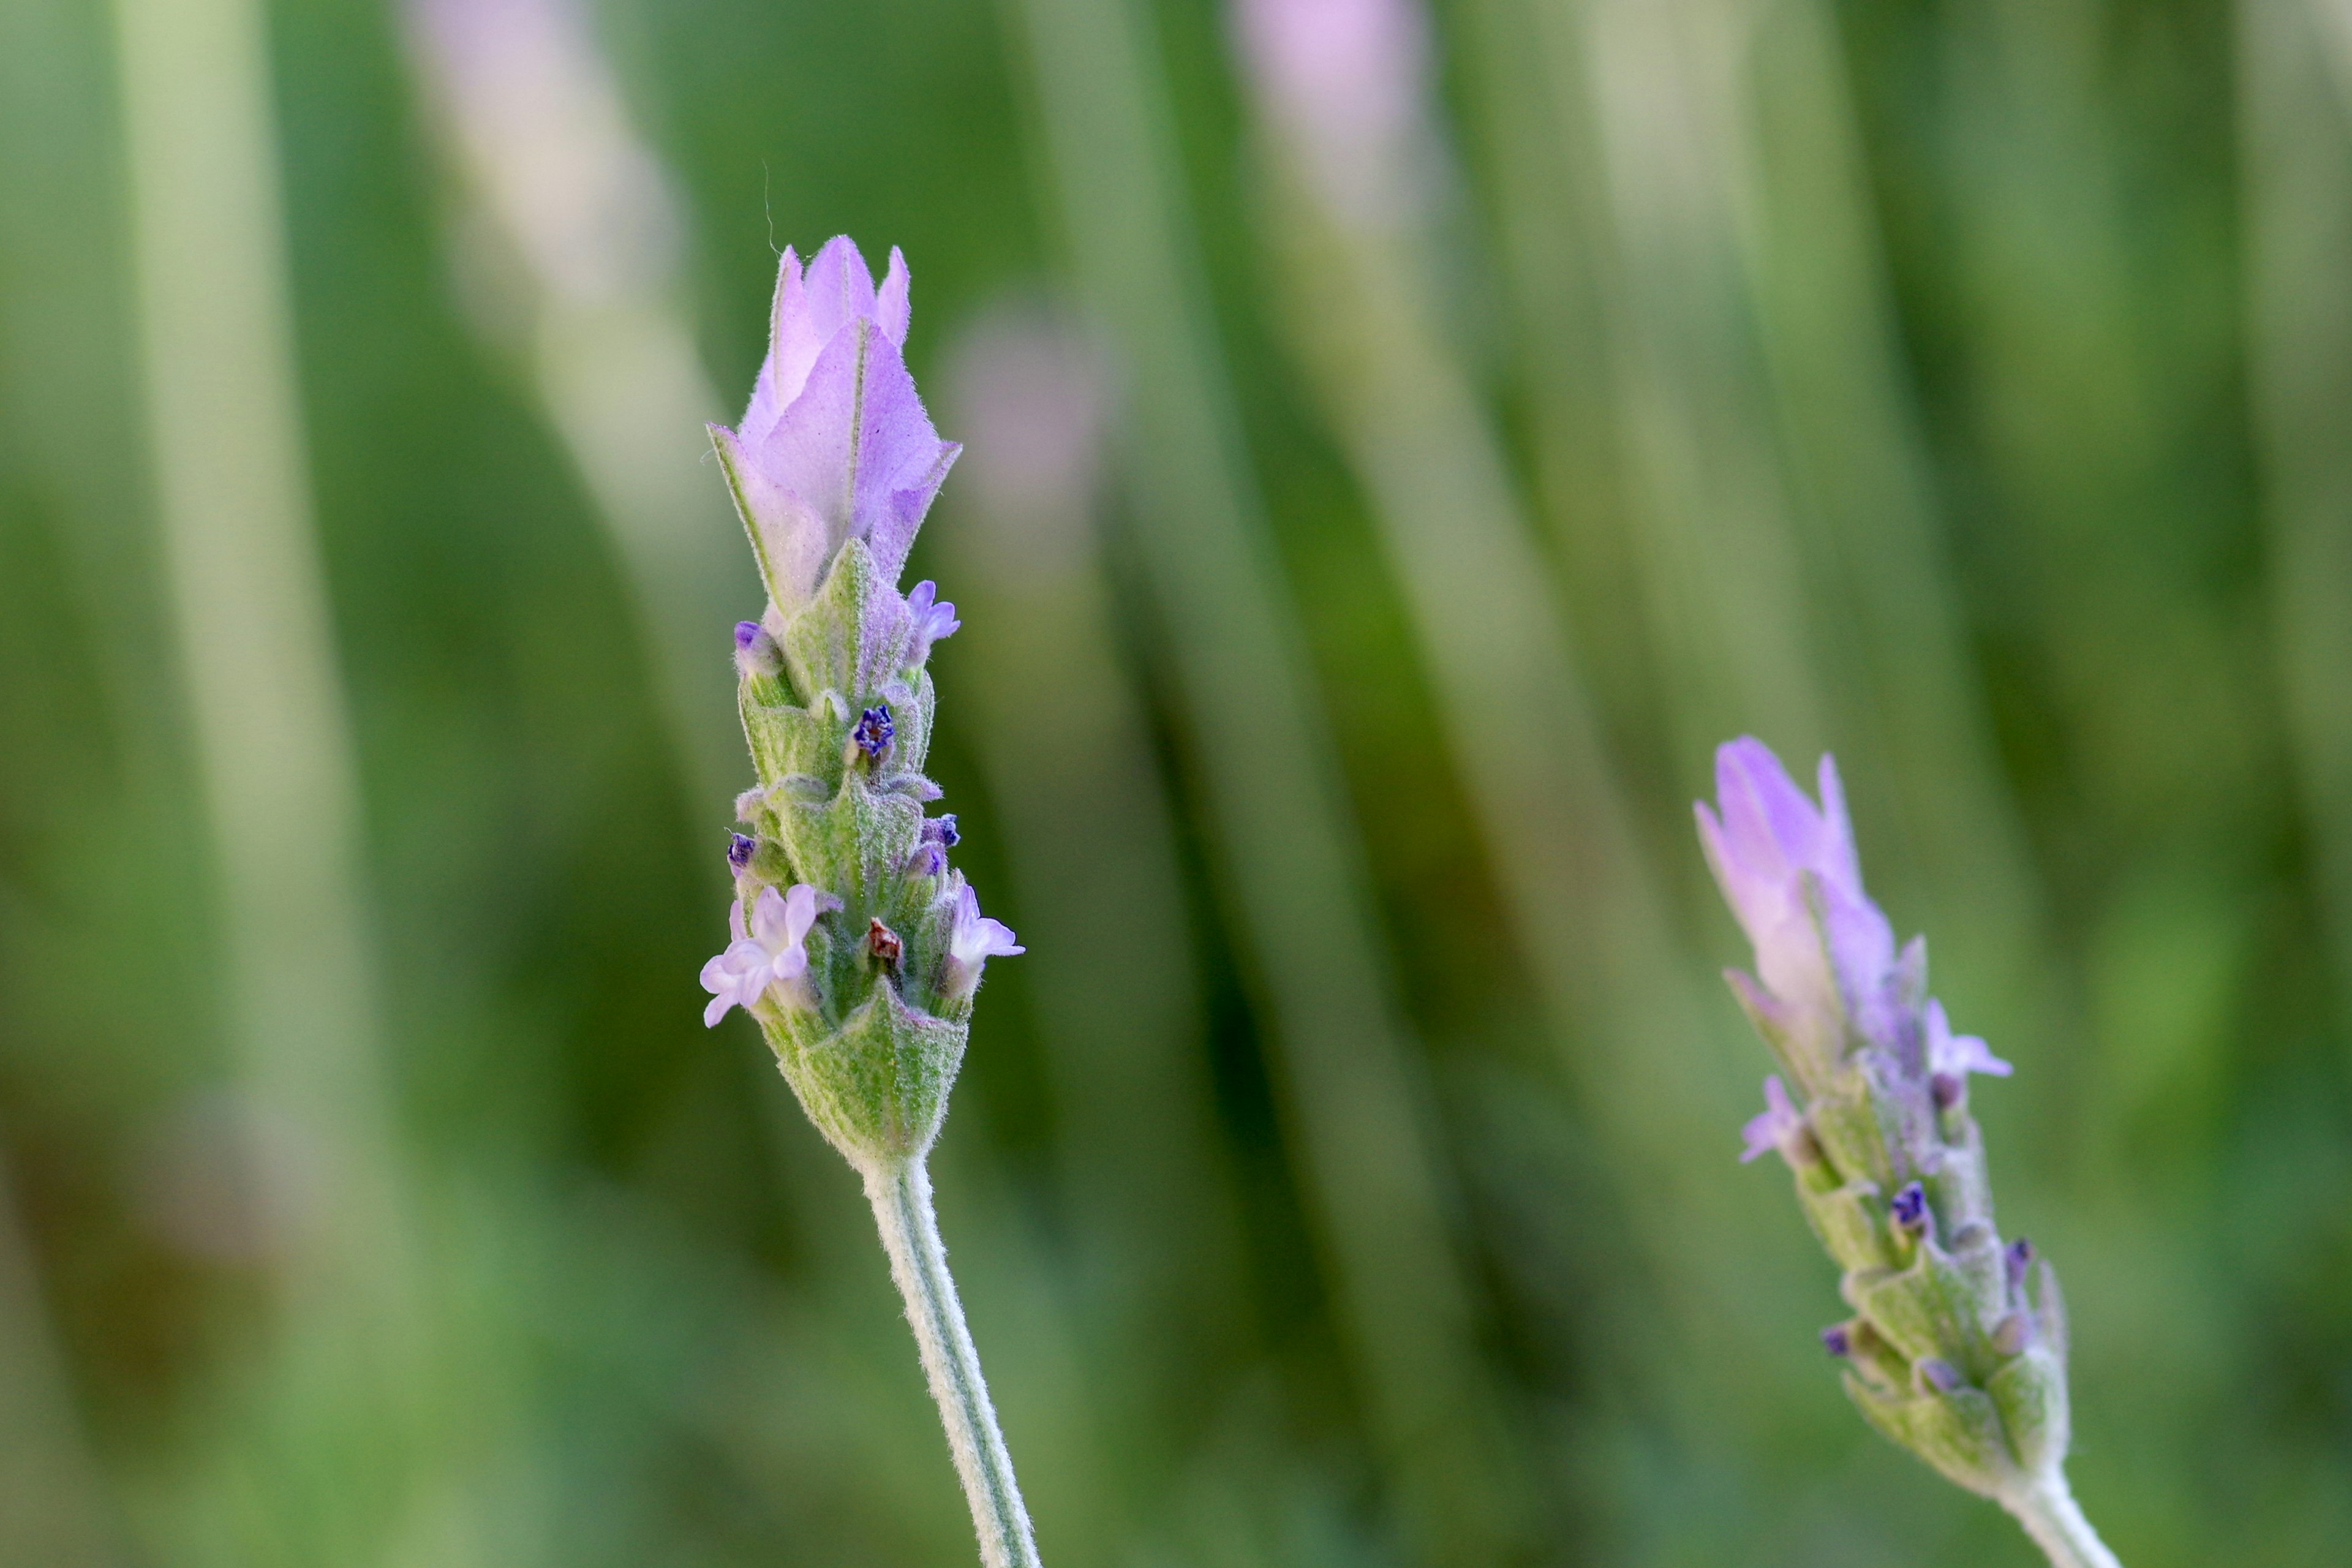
[[1958, 1349], [1349, 80], [834, 445], [1823, 950]]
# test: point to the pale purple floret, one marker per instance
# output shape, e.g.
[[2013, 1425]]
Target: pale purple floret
[[972, 941], [1778, 1125], [1778, 856], [1958, 1055], [770, 953], [834, 445], [932, 616]]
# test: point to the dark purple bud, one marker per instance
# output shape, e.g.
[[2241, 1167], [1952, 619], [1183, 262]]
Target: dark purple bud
[[2018, 1258], [874, 732], [1940, 1374], [756, 654], [941, 830], [741, 848], [1947, 1090], [1838, 1340], [885, 943], [1911, 1209]]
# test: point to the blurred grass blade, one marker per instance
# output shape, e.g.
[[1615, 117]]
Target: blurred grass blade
[[2296, 84], [1361, 292], [249, 604], [1290, 871], [52, 1507], [266, 706], [1090, 842], [574, 211], [1769, 481], [1910, 701]]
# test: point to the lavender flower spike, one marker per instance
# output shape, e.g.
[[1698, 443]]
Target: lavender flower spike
[[861, 976], [1966, 1340]]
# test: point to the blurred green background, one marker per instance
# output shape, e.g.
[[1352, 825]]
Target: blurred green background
[[1368, 525]]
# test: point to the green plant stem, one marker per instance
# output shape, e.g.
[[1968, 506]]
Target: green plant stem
[[2046, 1507], [901, 1197]]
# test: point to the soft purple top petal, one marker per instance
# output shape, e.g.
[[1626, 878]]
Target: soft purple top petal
[[835, 444], [1769, 837]]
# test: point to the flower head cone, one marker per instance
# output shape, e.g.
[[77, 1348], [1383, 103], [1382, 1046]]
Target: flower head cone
[[835, 444], [863, 972], [1950, 1351]]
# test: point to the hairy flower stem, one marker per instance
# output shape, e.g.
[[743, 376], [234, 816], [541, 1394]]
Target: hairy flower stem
[[2046, 1507], [901, 1197]]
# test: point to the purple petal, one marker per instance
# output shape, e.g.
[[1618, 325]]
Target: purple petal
[[1838, 859], [768, 920], [1958, 1054], [800, 913], [716, 1010], [735, 921], [1767, 822], [790, 537], [996, 940], [840, 287], [891, 310], [716, 978], [1763, 1133], [1757, 901], [856, 447]]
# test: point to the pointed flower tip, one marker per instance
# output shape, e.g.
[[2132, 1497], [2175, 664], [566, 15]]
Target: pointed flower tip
[[835, 444]]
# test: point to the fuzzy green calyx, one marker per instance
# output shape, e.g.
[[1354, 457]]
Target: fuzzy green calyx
[[872, 1036]]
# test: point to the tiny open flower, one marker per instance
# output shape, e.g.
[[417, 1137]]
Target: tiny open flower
[[1958, 1055], [1790, 873], [834, 445], [873, 730], [756, 653], [933, 618], [1777, 1127], [972, 941], [771, 952], [741, 848]]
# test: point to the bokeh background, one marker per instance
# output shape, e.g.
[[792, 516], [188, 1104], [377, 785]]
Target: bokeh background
[[1401, 442]]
